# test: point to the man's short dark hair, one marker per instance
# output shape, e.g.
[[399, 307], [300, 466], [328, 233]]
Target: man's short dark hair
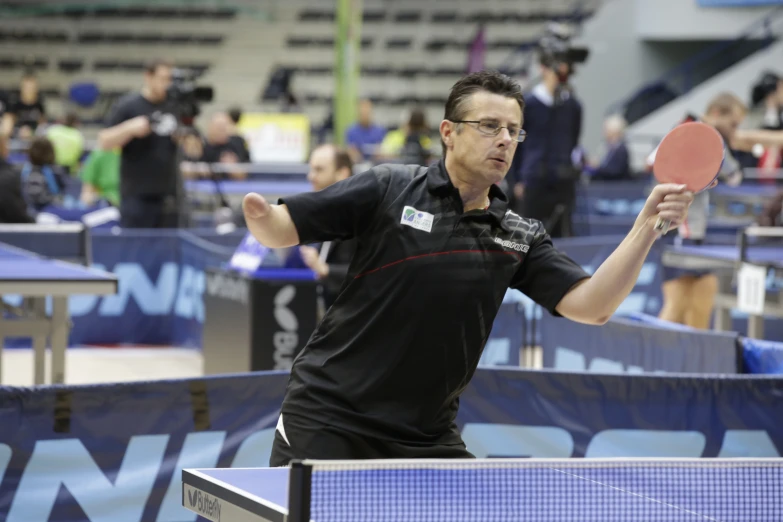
[[41, 152], [487, 81], [342, 160], [151, 66]]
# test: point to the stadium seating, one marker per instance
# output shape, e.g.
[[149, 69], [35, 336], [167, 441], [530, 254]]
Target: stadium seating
[[412, 52]]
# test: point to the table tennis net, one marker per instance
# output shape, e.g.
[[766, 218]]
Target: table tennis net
[[547, 490]]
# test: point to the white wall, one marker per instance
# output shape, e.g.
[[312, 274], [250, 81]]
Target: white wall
[[686, 20], [618, 64]]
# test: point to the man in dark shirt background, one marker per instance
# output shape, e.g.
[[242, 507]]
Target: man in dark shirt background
[[544, 173], [143, 126], [221, 144], [26, 111]]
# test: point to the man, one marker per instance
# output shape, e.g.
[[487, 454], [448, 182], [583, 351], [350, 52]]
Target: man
[[364, 137], [545, 184], [331, 260], [27, 112], [219, 146], [615, 164], [142, 125], [437, 249]]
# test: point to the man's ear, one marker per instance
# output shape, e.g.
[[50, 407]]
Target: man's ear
[[447, 130]]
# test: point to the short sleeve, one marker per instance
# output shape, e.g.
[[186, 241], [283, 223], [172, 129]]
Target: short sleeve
[[547, 275], [118, 114], [341, 211]]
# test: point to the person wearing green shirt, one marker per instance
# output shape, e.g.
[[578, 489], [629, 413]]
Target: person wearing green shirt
[[101, 177]]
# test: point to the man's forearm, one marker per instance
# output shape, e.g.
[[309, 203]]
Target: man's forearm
[[274, 230], [745, 139], [116, 136], [597, 299]]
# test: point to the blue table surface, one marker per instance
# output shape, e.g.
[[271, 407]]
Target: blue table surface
[[542, 493], [18, 265], [243, 187], [755, 253]]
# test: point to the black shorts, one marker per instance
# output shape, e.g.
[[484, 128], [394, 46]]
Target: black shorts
[[670, 273], [311, 441]]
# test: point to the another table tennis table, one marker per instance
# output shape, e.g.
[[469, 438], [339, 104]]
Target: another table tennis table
[[540, 490], [724, 260], [35, 278]]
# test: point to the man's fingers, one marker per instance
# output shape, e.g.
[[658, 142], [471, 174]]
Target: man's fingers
[[671, 215], [676, 206], [255, 206], [685, 197]]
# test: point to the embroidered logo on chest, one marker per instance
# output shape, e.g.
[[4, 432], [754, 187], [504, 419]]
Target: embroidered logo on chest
[[417, 219]]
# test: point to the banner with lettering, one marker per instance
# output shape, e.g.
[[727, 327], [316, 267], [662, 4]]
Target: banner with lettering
[[115, 452]]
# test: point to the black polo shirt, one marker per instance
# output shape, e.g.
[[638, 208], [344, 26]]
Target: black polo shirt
[[404, 336]]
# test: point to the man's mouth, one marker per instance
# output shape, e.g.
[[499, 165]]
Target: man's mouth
[[499, 161]]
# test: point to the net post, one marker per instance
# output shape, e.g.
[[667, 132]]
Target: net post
[[299, 488]]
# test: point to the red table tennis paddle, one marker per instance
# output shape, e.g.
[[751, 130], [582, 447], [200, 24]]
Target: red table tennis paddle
[[691, 154]]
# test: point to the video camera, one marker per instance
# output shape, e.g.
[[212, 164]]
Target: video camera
[[764, 87], [186, 95], [556, 50]]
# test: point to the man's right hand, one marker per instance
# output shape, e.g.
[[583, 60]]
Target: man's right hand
[[139, 126]]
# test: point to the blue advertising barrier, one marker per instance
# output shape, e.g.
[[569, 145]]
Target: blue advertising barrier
[[115, 452], [762, 356], [624, 345]]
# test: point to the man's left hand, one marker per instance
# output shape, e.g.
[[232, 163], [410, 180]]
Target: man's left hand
[[668, 201], [311, 258]]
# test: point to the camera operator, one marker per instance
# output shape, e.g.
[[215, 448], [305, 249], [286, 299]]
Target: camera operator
[[544, 172], [143, 126]]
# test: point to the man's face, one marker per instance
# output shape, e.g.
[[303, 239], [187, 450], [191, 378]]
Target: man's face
[[29, 88], [365, 112], [158, 82], [219, 129], [322, 169], [727, 124], [485, 157]]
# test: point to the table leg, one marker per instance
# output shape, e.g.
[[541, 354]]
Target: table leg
[[59, 338], [38, 306], [756, 327]]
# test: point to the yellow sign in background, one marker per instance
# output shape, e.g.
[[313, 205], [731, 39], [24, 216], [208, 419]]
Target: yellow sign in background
[[276, 137]]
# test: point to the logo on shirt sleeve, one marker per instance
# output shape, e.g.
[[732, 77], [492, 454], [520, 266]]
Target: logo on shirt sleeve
[[512, 245], [417, 219]]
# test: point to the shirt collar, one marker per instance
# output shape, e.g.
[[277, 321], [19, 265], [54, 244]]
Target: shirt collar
[[540, 92], [438, 181]]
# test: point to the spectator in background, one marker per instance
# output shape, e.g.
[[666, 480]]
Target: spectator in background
[[143, 125], [68, 143], [192, 145], [220, 147], [543, 171], [27, 111], [43, 182], [410, 144], [615, 164], [330, 261], [364, 137], [13, 207], [101, 177]]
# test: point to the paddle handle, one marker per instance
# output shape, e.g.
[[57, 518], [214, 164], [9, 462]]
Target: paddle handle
[[662, 225]]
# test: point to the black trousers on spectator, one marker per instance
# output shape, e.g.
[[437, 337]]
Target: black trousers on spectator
[[307, 440], [149, 211], [552, 204]]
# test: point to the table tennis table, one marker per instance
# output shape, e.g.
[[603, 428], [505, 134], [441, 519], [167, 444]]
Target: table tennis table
[[724, 261], [497, 490], [37, 278]]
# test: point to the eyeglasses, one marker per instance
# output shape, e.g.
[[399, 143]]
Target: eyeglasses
[[493, 128]]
